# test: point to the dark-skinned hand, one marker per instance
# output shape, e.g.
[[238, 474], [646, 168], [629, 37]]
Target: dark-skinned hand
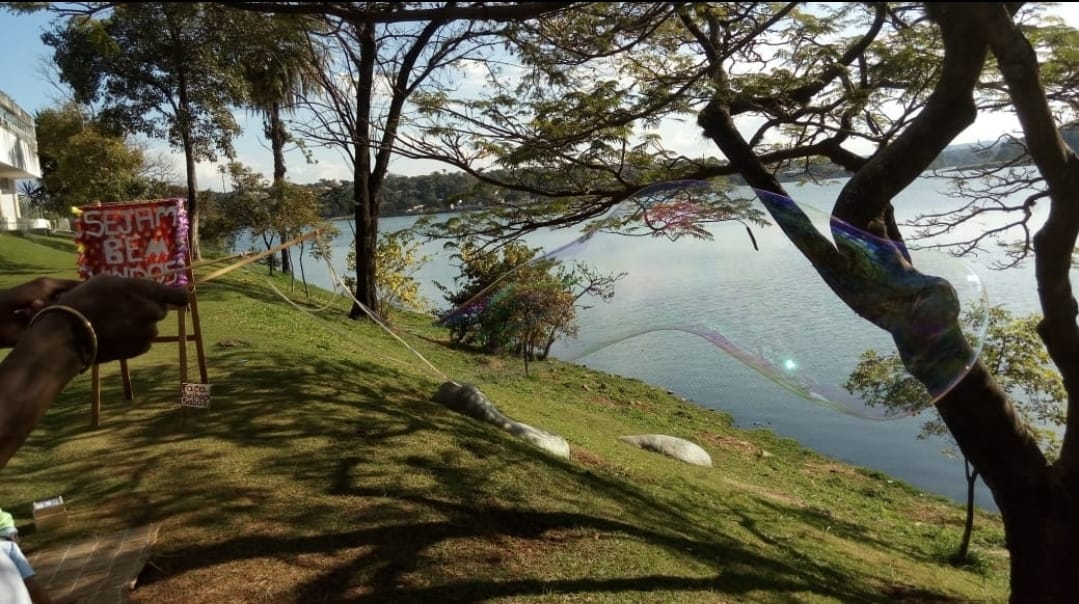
[[19, 304], [124, 312]]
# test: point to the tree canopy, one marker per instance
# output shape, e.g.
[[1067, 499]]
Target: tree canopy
[[880, 89], [82, 162], [162, 69]]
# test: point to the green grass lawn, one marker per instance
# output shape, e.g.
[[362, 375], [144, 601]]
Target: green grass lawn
[[322, 472]]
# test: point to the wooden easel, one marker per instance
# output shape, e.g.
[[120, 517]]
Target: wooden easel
[[181, 337]]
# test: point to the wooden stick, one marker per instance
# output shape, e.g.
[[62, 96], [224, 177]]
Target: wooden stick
[[257, 257], [248, 258], [200, 264]]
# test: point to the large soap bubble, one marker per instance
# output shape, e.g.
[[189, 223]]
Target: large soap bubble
[[714, 263]]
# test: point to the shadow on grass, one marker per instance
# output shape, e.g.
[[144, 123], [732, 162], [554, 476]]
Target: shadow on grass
[[9, 268], [375, 518], [392, 552], [61, 244], [273, 404], [824, 520]]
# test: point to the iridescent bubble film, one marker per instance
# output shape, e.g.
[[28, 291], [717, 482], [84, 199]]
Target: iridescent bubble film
[[714, 263]]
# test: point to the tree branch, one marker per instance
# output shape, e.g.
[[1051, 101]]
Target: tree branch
[[358, 12], [948, 111], [1055, 242]]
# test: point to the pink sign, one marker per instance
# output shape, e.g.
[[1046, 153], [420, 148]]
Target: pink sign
[[141, 239]]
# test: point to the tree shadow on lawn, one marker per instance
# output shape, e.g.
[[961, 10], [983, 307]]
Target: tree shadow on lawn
[[61, 244], [391, 553], [248, 285], [16, 273], [824, 520], [254, 403], [361, 411]]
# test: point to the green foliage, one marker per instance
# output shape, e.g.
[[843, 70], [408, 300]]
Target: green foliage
[[1012, 351], [526, 318], [482, 276], [336, 197], [82, 162], [398, 258], [279, 63], [267, 211], [160, 68], [509, 301]]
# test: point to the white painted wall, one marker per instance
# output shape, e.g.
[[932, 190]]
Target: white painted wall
[[18, 158], [9, 205]]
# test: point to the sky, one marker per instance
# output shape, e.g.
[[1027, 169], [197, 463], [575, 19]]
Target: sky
[[23, 79]]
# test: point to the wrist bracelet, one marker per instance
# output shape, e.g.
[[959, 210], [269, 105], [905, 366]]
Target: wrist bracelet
[[82, 321]]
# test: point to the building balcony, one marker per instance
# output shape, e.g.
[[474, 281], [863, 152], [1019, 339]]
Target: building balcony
[[18, 142], [18, 159]]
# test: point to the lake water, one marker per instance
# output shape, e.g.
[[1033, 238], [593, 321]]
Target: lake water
[[744, 330]]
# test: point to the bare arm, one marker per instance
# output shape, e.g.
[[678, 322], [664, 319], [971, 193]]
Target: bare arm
[[43, 361], [123, 316], [38, 594]]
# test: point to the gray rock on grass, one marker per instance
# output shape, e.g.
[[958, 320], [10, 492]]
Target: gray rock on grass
[[672, 446], [467, 399]]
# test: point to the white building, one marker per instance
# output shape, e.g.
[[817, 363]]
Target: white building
[[18, 161]]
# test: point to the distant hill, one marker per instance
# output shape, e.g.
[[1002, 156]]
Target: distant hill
[[990, 153], [967, 155]]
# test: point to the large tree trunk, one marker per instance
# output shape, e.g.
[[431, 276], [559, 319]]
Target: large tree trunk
[[1042, 521], [1039, 503], [366, 208]]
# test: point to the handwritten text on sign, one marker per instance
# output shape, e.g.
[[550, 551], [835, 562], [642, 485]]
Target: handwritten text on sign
[[195, 395], [138, 239]]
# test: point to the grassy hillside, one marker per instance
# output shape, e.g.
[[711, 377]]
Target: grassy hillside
[[323, 473]]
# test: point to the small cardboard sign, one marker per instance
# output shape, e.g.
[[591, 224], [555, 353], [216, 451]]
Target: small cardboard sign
[[195, 395], [48, 503], [50, 513]]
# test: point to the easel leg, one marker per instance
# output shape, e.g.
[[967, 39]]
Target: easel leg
[[181, 316], [200, 352], [129, 392], [95, 389]]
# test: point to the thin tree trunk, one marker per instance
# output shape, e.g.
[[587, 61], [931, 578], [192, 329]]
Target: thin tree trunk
[[277, 135], [971, 474], [303, 277], [268, 242], [183, 119]]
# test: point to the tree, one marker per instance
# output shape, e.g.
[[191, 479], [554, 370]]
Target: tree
[[158, 68], [82, 162], [398, 257], [777, 89], [248, 207], [527, 317], [384, 54], [1013, 352], [266, 209], [279, 66], [512, 300]]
